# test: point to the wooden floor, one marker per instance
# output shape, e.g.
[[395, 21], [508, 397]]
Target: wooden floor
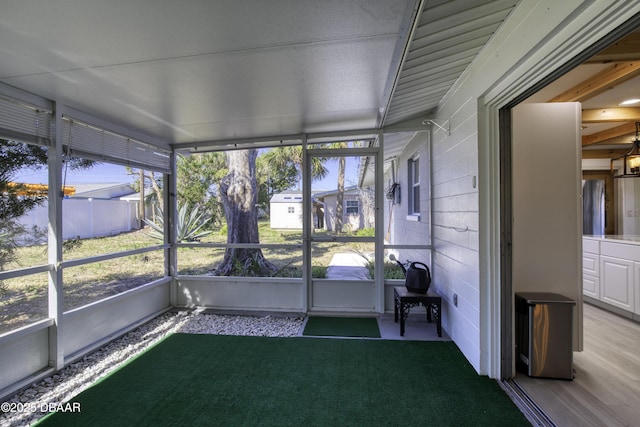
[[606, 387]]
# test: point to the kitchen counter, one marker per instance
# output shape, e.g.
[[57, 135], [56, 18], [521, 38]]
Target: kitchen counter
[[611, 273], [612, 237]]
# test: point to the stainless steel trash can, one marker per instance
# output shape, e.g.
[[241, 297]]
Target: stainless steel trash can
[[544, 335]]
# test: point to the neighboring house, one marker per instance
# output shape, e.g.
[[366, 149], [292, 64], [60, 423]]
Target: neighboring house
[[94, 210], [104, 191], [358, 208]]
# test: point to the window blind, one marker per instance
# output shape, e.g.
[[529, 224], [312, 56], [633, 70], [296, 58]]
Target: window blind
[[84, 140], [25, 123]]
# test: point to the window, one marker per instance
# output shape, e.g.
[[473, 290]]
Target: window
[[275, 203], [102, 219], [351, 207], [414, 186], [23, 234]]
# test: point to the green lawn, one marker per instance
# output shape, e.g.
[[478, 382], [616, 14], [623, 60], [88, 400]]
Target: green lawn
[[24, 300]]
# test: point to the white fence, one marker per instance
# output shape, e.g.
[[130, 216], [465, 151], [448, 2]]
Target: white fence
[[88, 218]]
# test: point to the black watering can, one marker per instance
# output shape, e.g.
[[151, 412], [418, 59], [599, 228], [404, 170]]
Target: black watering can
[[417, 275]]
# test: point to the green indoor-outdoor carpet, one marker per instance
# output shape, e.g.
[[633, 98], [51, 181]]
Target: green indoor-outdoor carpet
[[218, 380], [342, 327]]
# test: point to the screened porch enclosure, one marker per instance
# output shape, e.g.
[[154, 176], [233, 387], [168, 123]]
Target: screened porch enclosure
[[318, 269], [140, 85], [323, 261]]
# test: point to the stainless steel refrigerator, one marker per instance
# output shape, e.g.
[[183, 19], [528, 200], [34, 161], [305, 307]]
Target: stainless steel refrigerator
[[593, 220]]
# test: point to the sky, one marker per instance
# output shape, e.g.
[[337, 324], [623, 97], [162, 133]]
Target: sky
[[110, 173], [330, 182], [102, 173]]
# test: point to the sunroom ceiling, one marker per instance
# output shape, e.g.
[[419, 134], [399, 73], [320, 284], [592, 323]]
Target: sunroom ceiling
[[192, 72]]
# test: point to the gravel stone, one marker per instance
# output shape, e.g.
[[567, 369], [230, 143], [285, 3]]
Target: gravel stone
[[70, 381]]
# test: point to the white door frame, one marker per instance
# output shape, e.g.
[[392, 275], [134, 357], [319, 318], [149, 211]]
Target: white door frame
[[590, 30]]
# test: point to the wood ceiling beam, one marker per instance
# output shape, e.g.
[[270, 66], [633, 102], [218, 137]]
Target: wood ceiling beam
[[601, 82], [626, 49], [605, 135], [611, 115], [603, 154]]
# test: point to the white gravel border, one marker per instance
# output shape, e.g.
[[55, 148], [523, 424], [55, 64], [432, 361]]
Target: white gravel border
[[78, 376]]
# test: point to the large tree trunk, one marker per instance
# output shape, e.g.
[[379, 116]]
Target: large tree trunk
[[239, 194], [340, 195]]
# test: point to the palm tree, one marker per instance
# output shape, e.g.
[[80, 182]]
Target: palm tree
[[154, 198], [340, 195], [288, 162]]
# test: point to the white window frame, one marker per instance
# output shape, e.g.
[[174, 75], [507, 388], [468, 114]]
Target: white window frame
[[413, 180], [346, 207]]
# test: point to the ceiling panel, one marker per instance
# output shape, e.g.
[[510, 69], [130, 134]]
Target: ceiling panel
[[201, 70], [73, 34], [285, 90]]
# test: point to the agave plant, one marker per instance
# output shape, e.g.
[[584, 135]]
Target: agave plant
[[190, 224]]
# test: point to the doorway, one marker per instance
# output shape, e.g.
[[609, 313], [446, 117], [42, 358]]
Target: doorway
[[507, 169], [507, 202], [342, 232]]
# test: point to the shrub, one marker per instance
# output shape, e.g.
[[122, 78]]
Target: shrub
[[190, 225], [391, 270], [366, 232], [319, 272]]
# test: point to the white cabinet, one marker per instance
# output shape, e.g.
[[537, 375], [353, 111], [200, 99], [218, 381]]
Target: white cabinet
[[617, 282], [636, 273], [611, 271], [591, 286], [591, 268], [591, 275]]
